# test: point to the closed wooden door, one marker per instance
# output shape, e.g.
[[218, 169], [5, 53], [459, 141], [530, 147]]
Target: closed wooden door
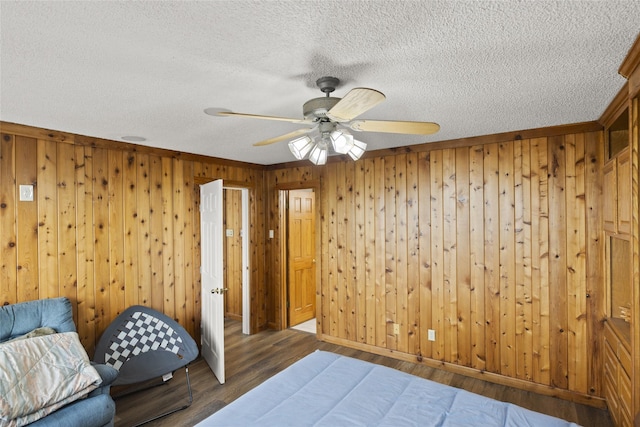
[[301, 256]]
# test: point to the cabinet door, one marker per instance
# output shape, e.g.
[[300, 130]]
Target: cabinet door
[[624, 192], [610, 196], [624, 387], [611, 382]]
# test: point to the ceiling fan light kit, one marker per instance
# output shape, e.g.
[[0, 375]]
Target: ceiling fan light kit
[[300, 147], [325, 114], [319, 152]]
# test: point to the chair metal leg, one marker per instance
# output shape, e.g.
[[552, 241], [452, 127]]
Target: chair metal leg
[[186, 369]]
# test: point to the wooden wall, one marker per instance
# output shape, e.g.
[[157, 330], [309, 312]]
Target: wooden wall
[[495, 245], [111, 225]]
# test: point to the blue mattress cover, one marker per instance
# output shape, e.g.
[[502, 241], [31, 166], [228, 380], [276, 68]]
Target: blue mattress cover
[[327, 389]]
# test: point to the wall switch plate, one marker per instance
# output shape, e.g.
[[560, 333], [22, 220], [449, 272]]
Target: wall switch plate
[[271, 234], [431, 335], [26, 193], [396, 329], [229, 232]]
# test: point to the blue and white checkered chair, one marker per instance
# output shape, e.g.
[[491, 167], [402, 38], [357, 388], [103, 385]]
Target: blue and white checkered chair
[[143, 344]]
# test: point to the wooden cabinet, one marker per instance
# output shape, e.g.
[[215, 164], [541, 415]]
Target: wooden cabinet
[[623, 191], [610, 197], [617, 375], [616, 191]]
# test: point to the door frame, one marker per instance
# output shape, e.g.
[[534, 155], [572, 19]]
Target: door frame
[[246, 267], [283, 197]]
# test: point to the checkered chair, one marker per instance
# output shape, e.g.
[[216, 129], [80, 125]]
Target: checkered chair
[[143, 344]]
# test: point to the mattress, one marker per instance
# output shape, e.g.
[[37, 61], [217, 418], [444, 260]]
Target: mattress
[[327, 389]]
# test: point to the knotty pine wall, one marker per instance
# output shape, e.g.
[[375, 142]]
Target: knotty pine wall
[[112, 225], [497, 246]]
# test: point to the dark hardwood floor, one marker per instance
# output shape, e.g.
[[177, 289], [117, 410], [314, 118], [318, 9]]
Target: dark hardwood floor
[[251, 359]]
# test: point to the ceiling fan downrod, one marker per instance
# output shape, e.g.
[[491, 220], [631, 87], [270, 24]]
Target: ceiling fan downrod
[[327, 84]]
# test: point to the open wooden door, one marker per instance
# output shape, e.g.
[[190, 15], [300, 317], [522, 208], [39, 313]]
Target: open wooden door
[[301, 246], [212, 273]]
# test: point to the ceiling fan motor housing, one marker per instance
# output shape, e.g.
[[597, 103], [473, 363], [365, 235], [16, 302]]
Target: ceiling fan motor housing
[[317, 108]]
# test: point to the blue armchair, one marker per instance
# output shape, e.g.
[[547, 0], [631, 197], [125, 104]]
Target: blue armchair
[[98, 408]]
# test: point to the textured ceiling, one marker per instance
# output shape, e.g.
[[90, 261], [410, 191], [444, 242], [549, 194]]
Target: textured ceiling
[[109, 69]]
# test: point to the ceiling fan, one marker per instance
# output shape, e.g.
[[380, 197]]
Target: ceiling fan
[[331, 116]]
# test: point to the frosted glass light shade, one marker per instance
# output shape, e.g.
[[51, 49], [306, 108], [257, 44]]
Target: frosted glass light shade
[[342, 141], [357, 150], [318, 155], [300, 147]]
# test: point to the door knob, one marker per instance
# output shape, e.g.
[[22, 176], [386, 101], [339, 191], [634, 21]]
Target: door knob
[[219, 290]]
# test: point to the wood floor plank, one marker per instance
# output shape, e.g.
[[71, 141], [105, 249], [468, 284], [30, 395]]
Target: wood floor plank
[[251, 359]]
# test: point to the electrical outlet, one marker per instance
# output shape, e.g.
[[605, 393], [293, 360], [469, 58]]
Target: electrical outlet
[[431, 335], [26, 193], [396, 329]]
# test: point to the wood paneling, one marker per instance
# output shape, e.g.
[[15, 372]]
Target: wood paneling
[[489, 245], [112, 225], [496, 246]]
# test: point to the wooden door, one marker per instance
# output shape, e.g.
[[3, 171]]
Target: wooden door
[[212, 277], [301, 256]]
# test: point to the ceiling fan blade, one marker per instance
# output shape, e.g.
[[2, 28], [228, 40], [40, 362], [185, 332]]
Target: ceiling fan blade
[[411, 128], [354, 103], [258, 116], [289, 135]]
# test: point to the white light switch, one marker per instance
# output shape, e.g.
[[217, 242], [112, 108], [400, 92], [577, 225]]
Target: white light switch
[[229, 232], [26, 193], [271, 234]]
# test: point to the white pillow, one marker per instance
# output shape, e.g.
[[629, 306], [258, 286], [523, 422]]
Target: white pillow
[[39, 375]]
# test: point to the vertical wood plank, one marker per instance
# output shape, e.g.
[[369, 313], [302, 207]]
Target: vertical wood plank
[[594, 160], [424, 212], [381, 232], [413, 260], [476, 257], [576, 267], [102, 271], [130, 232], [143, 228], [332, 195], [156, 229], [370, 251], [390, 250], [507, 260], [401, 253], [492, 257], [541, 293], [360, 242], [189, 232], [463, 256], [350, 260], [558, 344], [67, 223], [168, 253], [85, 248], [342, 262], [449, 246], [525, 297], [8, 209], [179, 254], [47, 220], [27, 221], [116, 235], [437, 257]]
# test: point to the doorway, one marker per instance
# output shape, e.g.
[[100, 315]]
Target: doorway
[[214, 285], [236, 254], [300, 238]]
